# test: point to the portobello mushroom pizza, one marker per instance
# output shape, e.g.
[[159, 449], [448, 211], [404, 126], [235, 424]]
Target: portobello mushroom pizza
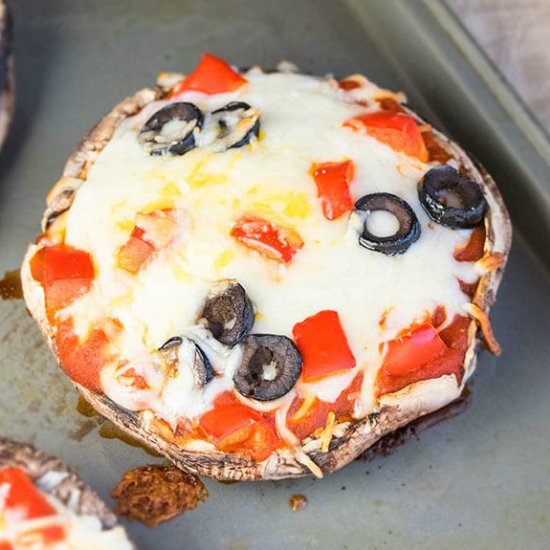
[[44, 505], [260, 274]]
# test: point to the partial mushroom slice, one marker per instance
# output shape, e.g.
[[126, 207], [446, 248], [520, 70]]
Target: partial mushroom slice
[[21, 462], [180, 351], [228, 312], [270, 367], [451, 199], [172, 130], [238, 123], [60, 199]]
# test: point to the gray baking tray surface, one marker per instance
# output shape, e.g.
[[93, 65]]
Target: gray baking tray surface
[[480, 480]]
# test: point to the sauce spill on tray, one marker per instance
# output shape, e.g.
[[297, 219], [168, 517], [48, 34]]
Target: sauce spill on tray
[[108, 430], [10, 286], [85, 409], [297, 503]]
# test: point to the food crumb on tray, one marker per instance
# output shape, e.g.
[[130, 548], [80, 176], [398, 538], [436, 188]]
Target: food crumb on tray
[[156, 493]]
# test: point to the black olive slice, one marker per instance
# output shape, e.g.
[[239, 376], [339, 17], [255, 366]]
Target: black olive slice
[[172, 130], [238, 123], [201, 367], [228, 312], [270, 367], [407, 233], [444, 185]]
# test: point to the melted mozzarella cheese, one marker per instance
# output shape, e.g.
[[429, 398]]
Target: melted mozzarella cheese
[[301, 123]]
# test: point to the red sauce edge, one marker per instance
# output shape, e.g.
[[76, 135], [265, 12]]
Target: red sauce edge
[[455, 337]]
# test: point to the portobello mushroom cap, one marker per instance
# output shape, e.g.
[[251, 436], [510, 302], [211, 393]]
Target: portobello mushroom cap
[[350, 439], [68, 487]]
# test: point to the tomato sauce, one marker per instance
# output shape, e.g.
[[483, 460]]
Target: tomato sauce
[[236, 428], [316, 415], [390, 104], [473, 250], [436, 153], [10, 286], [348, 84], [455, 337]]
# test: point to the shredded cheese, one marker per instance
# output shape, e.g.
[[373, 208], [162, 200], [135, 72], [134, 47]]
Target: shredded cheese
[[304, 408], [486, 330], [326, 436], [306, 461], [489, 262]]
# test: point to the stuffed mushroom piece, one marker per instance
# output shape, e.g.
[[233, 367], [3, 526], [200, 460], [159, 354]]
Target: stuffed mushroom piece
[[260, 274], [45, 505]]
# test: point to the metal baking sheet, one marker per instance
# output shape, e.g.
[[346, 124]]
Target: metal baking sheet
[[480, 480]]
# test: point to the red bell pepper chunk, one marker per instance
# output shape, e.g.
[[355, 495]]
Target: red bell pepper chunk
[[211, 76], [398, 130], [152, 232], [37, 265], [23, 495], [60, 294], [134, 252], [82, 361], [6, 546], [332, 180], [236, 428], [275, 242], [323, 345], [67, 273], [225, 420], [47, 536], [63, 262], [41, 537], [424, 354], [413, 350]]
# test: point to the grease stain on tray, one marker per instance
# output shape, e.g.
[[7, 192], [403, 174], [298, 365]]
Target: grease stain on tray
[[35, 396], [108, 430], [85, 409], [297, 502], [87, 427]]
